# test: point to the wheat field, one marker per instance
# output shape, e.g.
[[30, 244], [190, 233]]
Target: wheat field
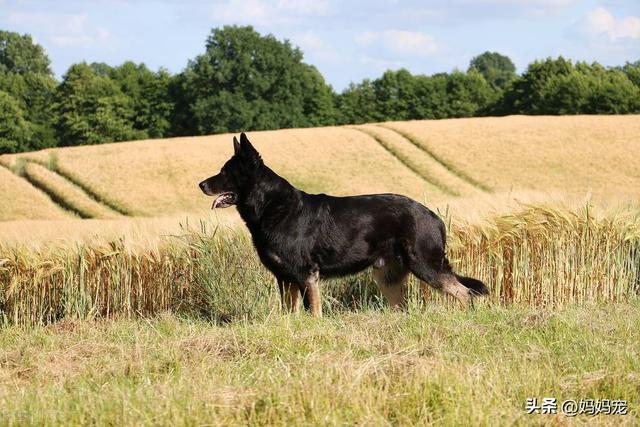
[[125, 300], [434, 161], [478, 174], [576, 154], [21, 200]]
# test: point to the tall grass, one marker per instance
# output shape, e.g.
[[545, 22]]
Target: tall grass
[[552, 257], [538, 257]]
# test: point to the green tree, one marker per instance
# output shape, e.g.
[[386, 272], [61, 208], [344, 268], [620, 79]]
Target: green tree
[[567, 93], [468, 94], [148, 91], [319, 109], [632, 70], [14, 129], [498, 70], [18, 54], [611, 90], [90, 108], [528, 94], [432, 93], [396, 97], [248, 81], [26, 76], [357, 104]]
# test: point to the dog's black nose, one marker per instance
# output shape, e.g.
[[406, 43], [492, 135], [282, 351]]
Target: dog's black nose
[[201, 185]]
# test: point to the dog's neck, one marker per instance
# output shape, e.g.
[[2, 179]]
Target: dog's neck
[[267, 201]]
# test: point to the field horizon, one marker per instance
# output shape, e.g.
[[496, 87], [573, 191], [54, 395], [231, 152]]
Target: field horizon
[[433, 161]]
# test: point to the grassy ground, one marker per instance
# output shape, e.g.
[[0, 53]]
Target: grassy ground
[[431, 366]]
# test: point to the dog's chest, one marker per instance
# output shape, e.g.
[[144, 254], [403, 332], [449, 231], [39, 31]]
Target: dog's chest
[[273, 258], [282, 257]]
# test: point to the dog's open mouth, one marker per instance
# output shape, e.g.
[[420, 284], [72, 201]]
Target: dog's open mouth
[[224, 200]]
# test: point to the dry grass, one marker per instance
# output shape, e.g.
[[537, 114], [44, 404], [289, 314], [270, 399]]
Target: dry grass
[[65, 193], [19, 199], [427, 166], [160, 177], [132, 231], [148, 232], [546, 249], [574, 154]]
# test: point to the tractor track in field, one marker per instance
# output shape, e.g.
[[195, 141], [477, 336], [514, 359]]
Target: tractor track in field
[[92, 194], [406, 162], [59, 199], [52, 196], [459, 174]]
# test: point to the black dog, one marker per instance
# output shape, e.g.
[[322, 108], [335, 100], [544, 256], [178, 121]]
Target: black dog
[[303, 237]]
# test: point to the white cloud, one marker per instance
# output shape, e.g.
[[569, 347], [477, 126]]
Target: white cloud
[[380, 64], [512, 8], [264, 12], [313, 46], [61, 23], [253, 11], [304, 7], [61, 29], [528, 3], [601, 23], [308, 40], [412, 43]]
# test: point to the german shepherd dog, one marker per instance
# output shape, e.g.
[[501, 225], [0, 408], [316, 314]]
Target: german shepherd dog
[[302, 237]]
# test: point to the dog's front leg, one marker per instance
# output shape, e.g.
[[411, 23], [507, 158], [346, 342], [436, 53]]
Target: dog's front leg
[[311, 294], [289, 295]]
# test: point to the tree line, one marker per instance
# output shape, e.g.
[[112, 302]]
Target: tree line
[[248, 81]]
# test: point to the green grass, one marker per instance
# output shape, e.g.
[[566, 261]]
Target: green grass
[[434, 366]]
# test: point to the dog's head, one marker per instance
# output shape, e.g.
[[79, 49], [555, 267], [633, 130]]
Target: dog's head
[[235, 177]]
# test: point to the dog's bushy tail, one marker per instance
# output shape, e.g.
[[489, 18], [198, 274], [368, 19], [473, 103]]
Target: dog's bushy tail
[[475, 285]]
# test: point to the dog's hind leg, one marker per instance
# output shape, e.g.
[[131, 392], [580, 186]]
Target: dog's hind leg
[[289, 295], [391, 278], [311, 294]]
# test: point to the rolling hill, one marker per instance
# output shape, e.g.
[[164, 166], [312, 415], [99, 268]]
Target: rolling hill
[[434, 161]]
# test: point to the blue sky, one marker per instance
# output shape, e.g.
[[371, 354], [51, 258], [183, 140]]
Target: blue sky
[[346, 40]]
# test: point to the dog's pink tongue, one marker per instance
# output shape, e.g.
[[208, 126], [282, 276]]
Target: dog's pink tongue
[[215, 202]]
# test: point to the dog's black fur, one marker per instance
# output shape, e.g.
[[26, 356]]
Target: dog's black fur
[[298, 234]]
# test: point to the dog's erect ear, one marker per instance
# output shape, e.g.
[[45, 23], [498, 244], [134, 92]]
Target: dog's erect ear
[[244, 140], [236, 145], [247, 148]]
